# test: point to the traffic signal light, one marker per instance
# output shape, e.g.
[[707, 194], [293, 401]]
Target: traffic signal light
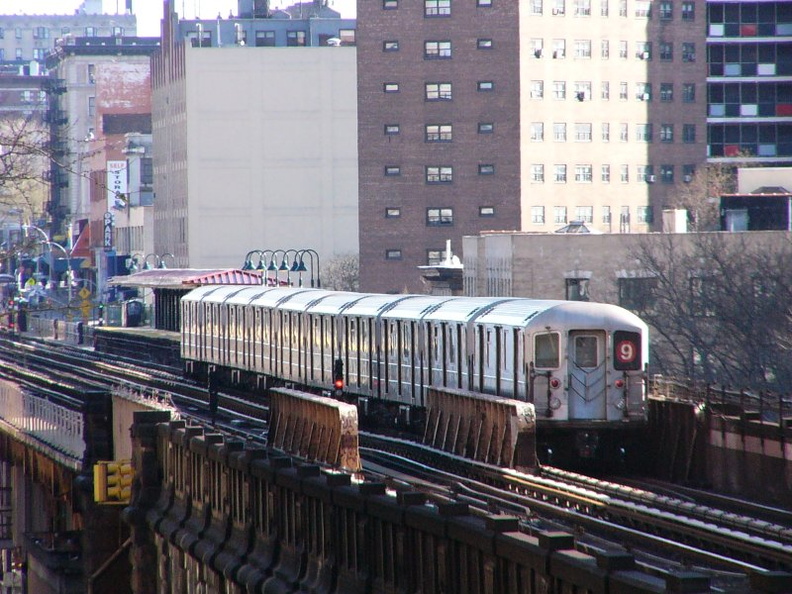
[[338, 377], [113, 481]]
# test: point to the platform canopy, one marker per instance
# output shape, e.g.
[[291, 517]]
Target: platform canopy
[[187, 278]]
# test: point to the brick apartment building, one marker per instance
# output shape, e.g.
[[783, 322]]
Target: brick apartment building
[[494, 115]]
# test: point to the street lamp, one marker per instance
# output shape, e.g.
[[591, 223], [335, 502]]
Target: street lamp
[[314, 269]]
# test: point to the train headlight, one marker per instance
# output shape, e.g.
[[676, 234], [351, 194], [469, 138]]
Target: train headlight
[[619, 383], [555, 383]]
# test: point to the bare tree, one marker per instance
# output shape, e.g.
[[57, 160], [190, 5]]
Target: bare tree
[[24, 158], [342, 273], [721, 308]]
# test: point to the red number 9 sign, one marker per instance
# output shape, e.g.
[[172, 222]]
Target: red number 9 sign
[[627, 351]]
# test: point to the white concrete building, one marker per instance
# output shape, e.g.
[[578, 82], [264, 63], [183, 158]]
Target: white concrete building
[[254, 148]]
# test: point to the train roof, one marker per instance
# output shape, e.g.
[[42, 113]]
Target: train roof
[[503, 311]]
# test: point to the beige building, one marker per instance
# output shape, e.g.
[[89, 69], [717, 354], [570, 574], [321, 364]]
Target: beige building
[[596, 267], [254, 148]]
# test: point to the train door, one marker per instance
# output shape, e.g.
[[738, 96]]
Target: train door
[[392, 354], [586, 369]]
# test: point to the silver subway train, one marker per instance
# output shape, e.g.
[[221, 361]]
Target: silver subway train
[[582, 364]]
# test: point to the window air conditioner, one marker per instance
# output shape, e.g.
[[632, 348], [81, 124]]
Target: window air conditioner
[[650, 179]]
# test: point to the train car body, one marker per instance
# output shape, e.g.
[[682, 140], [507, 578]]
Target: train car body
[[582, 364]]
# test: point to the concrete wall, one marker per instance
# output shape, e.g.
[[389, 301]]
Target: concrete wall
[[262, 154]]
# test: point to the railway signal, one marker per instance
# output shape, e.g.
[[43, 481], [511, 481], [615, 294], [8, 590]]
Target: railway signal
[[113, 481], [338, 377]]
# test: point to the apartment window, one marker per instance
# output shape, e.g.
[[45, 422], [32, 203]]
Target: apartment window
[[2, 54], [623, 52], [18, 32], [537, 173], [2, 33], [688, 11], [484, 3], [666, 51], [688, 52], [643, 91], [437, 8], [583, 173], [146, 171], [605, 91], [687, 173], [537, 131], [392, 170], [643, 9], [438, 91], [605, 132], [390, 87], [689, 133], [559, 7], [637, 294], [624, 218], [645, 173], [667, 174], [91, 107], [577, 289], [645, 214], [438, 133], [560, 174], [486, 169], [434, 257], [482, 43], [18, 53], [267, 39], [439, 217], [622, 8], [624, 132], [295, 38], [393, 254], [604, 8], [437, 49], [117, 32], [666, 91], [486, 211], [559, 132], [624, 93], [624, 173], [41, 33], [582, 48], [688, 92], [559, 49], [583, 132], [604, 49], [485, 85], [666, 11], [390, 4], [91, 74], [537, 89], [585, 214], [393, 212], [605, 179], [390, 46], [666, 132], [643, 132], [559, 89], [392, 129], [582, 7], [39, 53], [439, 174], [606, 213], [537, 47], [583, 90], [559, 215], [537, 215], [536, 7], [643, 50], [486, 128]]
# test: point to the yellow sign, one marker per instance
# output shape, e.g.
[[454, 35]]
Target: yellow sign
[[84, 293]]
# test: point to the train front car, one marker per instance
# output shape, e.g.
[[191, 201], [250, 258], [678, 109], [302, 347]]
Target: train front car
[[587, 381]]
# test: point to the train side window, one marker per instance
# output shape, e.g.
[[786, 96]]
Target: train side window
[[546, 351]]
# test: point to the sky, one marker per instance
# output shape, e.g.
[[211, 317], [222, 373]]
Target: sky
[[149, 12]]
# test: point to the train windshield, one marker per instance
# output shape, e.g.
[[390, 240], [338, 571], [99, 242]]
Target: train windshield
[[546, 351]]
